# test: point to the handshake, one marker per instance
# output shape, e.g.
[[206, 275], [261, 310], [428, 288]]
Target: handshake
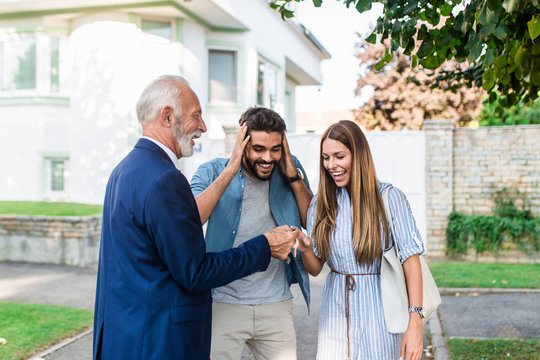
[[282, 239]]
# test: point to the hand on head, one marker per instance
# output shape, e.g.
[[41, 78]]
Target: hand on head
[[239, 146], [287, 164]]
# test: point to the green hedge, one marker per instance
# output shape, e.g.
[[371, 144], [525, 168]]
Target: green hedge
[[488, 232]]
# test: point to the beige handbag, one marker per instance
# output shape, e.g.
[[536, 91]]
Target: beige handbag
[[395, 299]]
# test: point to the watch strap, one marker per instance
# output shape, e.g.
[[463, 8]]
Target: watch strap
[[417, 309], [293, 179], [297, 177]]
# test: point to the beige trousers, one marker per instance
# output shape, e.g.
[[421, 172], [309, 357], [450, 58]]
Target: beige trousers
[[267, 330]]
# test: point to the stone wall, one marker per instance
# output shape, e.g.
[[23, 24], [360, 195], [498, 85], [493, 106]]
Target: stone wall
[[53, 240], [490, 158], [465, 167], [439, 183]]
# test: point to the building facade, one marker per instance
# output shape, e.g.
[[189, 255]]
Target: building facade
[[71, 72]]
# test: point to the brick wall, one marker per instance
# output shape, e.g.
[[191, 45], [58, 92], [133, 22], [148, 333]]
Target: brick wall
[[487, 159], [53, 240], [465, 167]]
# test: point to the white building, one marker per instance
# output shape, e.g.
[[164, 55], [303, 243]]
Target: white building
[[72, 70]]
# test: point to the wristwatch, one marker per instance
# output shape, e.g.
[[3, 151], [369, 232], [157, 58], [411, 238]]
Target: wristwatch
[[417, 309], [299, 176]]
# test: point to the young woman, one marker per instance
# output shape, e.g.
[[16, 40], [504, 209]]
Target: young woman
[[347, 225]]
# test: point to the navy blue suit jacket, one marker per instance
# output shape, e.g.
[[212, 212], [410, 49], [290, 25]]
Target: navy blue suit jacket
[[153, 297]]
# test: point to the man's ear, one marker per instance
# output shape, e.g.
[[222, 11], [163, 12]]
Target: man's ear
[[166, 116]]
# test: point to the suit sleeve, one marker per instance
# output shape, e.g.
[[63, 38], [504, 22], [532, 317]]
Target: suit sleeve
[[174, 224]]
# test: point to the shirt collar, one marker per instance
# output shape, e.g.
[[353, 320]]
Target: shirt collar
[[168, 151]]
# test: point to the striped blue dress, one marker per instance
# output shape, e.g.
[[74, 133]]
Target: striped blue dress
[[368, 338]]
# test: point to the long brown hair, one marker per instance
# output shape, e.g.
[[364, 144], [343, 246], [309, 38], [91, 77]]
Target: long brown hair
[[366, 201]]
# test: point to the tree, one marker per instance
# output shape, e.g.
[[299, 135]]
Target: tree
[[402, 99], [493, 115], [498, 38]]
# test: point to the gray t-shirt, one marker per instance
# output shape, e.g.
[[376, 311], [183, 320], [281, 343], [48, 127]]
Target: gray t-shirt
[[256, 218]]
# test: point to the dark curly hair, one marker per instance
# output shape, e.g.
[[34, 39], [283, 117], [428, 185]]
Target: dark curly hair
[[263, 119]]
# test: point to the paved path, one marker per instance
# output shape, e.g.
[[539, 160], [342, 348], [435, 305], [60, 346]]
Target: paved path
[[70, 286], [480, 316], [47, 284], [505, 316]]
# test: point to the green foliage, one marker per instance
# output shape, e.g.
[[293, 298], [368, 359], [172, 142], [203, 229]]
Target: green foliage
[[467, 274], [505, 204], [495, 115], [497, 39], [493, 349], [48, 208], [28, 328], [488, 232]]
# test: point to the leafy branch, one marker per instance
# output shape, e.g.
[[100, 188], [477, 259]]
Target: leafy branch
[[498, 39]]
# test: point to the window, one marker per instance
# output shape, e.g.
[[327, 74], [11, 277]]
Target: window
[[222, 76], [158, 28], [267, 75], [56, 174], [18, 63], [29, 62], [55, 64]]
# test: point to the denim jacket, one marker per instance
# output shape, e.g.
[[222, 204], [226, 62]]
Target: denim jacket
[[224, 220]]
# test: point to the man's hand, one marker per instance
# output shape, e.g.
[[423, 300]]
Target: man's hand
[[287, 164], [238, 150], [281, 240]]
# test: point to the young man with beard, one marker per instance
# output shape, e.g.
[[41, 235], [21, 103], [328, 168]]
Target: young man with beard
[[260, 186]]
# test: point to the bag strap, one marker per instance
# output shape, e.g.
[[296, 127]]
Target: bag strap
[[388, 213]]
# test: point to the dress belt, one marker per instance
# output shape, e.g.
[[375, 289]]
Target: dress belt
[[350, 285]]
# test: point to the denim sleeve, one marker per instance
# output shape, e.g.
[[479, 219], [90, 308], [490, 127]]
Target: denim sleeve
[[408, 239], [306, 180], [202, 178]]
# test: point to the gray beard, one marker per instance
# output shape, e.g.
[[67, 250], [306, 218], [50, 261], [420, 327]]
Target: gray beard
[[184, 141], [185, 145]]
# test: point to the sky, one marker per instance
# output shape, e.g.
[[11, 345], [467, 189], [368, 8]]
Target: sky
[[335, 27]]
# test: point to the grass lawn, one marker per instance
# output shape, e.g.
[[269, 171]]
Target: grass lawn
[[485, 275], [29, 327], [48, 208], [470, 349]]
